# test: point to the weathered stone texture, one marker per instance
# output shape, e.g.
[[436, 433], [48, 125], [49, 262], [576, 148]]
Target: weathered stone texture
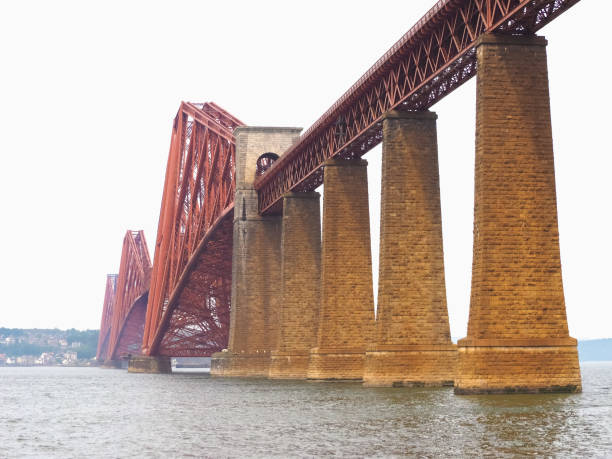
[[300, 285], [517, 330], [412, 340], [114, 364], [497, 370], [254, 141], [256, 261], [149, 364], [346, 318]]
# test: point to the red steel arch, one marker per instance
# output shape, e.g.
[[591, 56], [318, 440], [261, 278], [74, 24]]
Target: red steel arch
[[107, 317], [189, 300], [129, 339], [132, 284], [432, 59]]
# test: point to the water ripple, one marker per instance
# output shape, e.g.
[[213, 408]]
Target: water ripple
[[77, 412]]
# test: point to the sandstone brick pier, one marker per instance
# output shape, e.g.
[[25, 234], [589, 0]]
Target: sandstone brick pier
[[300, 286], [346, 318], [256, 262], [518, 339], [412, 344]]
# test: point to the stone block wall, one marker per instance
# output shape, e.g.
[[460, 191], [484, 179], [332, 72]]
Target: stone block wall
[[300, 285], [518, 337], [346, 318], [412, 344], [256, 261]]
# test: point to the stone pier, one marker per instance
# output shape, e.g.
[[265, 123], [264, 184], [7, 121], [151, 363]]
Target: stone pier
[[518, 339], [346, 318], [300, 285], [149, 364], [256, 261], [117, 364], [412, 344]]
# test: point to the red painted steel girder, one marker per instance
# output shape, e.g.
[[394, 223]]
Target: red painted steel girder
[[197, 199], [129, 339], [132, 283], [196, 321], [432, 59], [107, 315]]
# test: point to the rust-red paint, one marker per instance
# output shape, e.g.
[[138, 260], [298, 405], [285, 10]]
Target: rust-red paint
[[189, 300], [432, 59], [131, 285]]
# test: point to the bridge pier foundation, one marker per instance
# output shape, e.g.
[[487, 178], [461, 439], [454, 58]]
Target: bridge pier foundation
[[518, 339], [300, 285], [346, 318], [256, 261], [412, 344], [114, 364], [149, 364]]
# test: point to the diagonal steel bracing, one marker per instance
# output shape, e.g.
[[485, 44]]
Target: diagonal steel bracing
[[188, 308], [432, 59], [107, 317], [131, 284]]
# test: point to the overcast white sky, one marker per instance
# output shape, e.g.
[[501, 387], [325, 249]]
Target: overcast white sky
[[88, 91]]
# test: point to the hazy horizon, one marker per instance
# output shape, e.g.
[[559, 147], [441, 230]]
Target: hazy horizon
[[89, 92]]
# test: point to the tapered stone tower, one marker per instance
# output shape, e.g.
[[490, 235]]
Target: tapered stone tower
[[518, 339], [412, 344]]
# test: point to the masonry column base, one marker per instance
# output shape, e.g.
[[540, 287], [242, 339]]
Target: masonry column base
[[230, 365], [336, 364], [498, 367], [114, 365], [149, 364], [289, 365], [410, 366]]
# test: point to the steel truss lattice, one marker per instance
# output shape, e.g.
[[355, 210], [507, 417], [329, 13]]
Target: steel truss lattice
[[432, 59]]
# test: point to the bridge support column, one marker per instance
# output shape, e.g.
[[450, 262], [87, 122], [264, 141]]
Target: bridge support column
[[149, 364], [256, 262], [518, 339], [300, 285], [412, 344], [347, 306], [114, 364]]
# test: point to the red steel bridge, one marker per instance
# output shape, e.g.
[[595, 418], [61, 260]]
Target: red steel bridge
[[125, 301], [182, 306]]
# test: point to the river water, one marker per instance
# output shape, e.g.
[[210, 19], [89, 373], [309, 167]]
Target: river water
[[91, 412]]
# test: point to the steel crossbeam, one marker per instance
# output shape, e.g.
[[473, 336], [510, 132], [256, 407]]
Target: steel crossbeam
[[432, 59], [197, 199]]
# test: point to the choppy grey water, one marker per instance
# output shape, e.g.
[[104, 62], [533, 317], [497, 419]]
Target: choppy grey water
[[90, 412]]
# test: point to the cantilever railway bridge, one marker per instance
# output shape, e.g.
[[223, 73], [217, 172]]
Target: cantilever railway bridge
[[189, 287]]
